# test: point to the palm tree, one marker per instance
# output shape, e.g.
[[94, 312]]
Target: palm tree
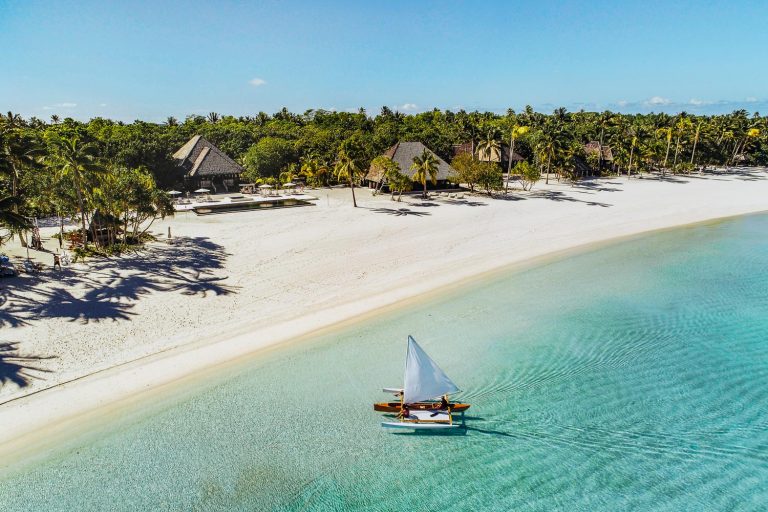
[[604, 121], [13, 120], [667, 134], [345, 169], [696, 138], [751, 133], [308, 169], [399, 182], [76, 161], [551, 141], [425, 165], [288, 175], [10, 219], [546, 149], [55, 119], [387, 167], [171, 121], [314, 171], [17, 152], [682, 126], [489, 144], [632, 146], [517, 131], [213, 117]]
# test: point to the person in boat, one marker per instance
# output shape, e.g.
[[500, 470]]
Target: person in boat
[[443, 405], [405, 412]]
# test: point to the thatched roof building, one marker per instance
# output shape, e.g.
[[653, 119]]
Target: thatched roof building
[[205, 165], [502, 158], [604, 151], [403, 154]]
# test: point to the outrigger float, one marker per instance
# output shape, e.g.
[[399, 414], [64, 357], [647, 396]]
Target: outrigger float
[[425, 383]]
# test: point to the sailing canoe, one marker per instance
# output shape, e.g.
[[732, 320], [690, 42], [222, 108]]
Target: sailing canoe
[[420, 406]]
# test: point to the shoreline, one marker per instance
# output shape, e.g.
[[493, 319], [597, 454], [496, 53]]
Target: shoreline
[[38, 423]]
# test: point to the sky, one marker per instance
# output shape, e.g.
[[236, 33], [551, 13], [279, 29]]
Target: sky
[[153, 59]]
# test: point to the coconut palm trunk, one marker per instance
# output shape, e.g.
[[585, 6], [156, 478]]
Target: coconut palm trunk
[[81, 206], [695, 142], [352, 185], [511, 155]]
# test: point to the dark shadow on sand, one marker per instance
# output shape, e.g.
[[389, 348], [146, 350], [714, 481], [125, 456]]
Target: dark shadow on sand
[[16, 368], [555, 195], [595, 186], [400, 212], [112, 286], [669, 178]]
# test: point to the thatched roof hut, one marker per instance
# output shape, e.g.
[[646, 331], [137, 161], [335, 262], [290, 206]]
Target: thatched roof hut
[[604, 151], [403, 154], [503, 159], [205, 165]]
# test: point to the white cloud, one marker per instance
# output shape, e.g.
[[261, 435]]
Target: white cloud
[[256, 82], [622, 103], [697, 103], [751, 99], [66, 104], [102, 104], [408, 107], [658, 100]]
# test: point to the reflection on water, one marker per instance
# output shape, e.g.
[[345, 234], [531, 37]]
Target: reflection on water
[[634, 377]]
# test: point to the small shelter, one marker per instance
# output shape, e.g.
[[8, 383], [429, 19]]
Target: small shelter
[[503, 158], [601, 150], [403, 154], [602, 153], [203, 165], [104, 228]]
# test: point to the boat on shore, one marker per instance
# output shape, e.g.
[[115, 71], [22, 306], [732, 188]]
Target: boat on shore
[[425, 383]]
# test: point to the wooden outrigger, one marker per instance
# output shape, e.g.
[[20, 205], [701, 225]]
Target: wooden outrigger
[[424, 420]]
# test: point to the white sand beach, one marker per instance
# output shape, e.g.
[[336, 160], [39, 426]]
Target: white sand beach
[[105, 330]]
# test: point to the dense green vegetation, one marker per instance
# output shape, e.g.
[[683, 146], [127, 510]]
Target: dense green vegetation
[[71, 168]]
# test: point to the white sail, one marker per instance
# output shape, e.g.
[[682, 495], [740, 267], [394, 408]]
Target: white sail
[[423, 378]]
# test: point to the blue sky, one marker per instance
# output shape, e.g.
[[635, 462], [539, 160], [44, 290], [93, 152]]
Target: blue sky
[[150, 60]]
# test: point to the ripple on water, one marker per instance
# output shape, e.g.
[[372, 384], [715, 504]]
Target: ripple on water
[[630, 378]]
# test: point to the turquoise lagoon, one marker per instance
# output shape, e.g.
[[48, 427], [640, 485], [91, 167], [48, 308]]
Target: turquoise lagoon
[[632, 376]]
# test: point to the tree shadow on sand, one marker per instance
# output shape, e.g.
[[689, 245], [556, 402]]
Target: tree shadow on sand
[[109, 288], [16, 368], [742, 173], [596, 186], [401, 212], [667, 178], [467, 202], [554, 195]]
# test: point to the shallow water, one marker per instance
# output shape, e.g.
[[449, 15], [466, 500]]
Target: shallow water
[[631, 377]]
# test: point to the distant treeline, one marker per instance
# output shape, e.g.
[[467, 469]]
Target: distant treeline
[[62, 165]]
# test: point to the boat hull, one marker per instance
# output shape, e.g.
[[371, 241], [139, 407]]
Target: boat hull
[[421, 406]]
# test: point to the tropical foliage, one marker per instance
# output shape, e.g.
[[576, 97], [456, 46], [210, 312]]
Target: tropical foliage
[[65, 167], [61, 170], [424, 168]]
